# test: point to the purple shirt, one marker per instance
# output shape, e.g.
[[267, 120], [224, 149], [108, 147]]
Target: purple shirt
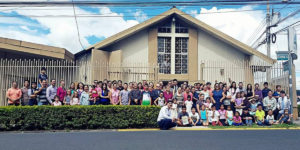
[[259, 93]]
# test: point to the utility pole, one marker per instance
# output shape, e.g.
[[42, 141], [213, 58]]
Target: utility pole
[[268, 37]]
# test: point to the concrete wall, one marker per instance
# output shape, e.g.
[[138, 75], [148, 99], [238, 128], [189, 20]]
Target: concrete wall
[[214, 55], [134, 48], [84, 63]]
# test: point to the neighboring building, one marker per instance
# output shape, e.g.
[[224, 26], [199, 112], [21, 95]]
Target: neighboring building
[[181, 46], [15, 49]]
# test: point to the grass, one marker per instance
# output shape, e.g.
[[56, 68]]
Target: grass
[[286, 126]]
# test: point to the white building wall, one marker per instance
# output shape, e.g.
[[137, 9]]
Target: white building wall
[[134, 48], [216, 55]]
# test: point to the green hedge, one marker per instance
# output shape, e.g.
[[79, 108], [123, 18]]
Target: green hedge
[[77, 117]]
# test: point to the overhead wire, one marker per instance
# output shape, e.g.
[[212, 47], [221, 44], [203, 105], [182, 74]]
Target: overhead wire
[[78, 33]]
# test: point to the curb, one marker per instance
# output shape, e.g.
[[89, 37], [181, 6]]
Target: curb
[[206, 129]]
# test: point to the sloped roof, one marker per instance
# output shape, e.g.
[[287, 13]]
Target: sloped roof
[[35, 49], [189, 19]]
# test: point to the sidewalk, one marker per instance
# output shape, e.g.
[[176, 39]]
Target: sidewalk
[[297, 122]]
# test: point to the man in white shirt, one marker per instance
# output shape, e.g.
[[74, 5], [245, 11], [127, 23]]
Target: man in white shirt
[[164, 120], [283, 103]]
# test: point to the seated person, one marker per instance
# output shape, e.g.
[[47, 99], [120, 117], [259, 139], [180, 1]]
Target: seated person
[[183, 118], [195, 119], [246, 117], [285, 118], [270, 118], [260, 116], [165, 120]]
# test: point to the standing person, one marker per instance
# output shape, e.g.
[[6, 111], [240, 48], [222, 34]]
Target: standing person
[[75, 99], [57, 101], [155, 93], [270, 103], [195, 97], [14, 94], [249, 92], [51, 91], [146, 98], [168, 95], [283, 103], [68, 97], [25, 97], [209, 89], [241, 87], [187, 93], [72, 87], [164, 119], [80, 89], [42, 95], [104, 95], [203, 116], [61, 91], [266, 90], [200, 102], [160, 101], [179, 97], [85, 96], [276, 93], [175, 86], [135, 95], [258, 93], [232, 91], [216, 96], [42, 76], [114, 96], [120, 85], [260, 116], [239, 103], [124, 95], [229, 116], [174, 108], [32, 93], [226, 98], [140, 86], [205, 92], [188, 104]]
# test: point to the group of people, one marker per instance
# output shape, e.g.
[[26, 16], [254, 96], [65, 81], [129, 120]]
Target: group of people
[[182, 105]]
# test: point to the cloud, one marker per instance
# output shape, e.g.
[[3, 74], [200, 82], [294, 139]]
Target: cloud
[[140, 16], [62, 30]]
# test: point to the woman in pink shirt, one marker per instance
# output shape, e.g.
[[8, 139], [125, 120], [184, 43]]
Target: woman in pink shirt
[[61, 91], [168, 95], [115, 95], [186, 93]]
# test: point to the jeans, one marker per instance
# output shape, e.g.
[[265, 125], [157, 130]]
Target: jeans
[[260, 123], [248, 122], [43, 103], [166, 124], [237, 124]]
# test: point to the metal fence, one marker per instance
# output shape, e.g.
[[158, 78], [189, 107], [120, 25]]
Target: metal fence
[[86, 72]]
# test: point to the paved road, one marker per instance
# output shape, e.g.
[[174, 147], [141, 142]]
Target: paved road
[[152, 140]]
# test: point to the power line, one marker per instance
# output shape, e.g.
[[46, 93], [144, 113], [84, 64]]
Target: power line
[[78, 33]]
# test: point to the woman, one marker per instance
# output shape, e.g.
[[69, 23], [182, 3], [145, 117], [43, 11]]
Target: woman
[[258, 93], [168, 95], [186, 93], [217, 95], [114, 96], [72, 87], [249, 92], [61, 91], [205, 92], [179, 96], [80, 89], [104, 95], [226, 99], [140, 86]]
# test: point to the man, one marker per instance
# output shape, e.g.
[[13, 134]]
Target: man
[[266, 90], [42, 95], [240, 88], [124, 95], [269, 103], [164, 119], [146, 98], [283, 103], [120, 86], [155, 93], [135, 96], [25, 97], [183, 118], [51, 91], [175, 86], [14, 94], [195, 97]]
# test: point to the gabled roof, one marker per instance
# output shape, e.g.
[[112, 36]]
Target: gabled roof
[[189, 19], [46, 51]]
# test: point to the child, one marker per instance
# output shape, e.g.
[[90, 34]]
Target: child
[[270, 118], [174, 110], [260, 116], [209, 115], [203, 116], [239, 103], [68, 98], [75, 99], [229, 116], [189, 104], [56, 101], [195, 118], [285, 118], [208, 103], [215, 117], [183, 118], [253, 107], [246, 117], [237, 120], [222, 113], [42, 76], [93, 95], [160, 101]]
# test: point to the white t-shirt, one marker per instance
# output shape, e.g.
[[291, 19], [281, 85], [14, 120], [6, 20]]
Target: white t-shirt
[[189, 105], [216, 116], [194, 116], [209, 115], [161, 101]]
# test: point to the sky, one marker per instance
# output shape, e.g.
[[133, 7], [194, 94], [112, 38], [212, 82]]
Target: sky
[[38, 25]]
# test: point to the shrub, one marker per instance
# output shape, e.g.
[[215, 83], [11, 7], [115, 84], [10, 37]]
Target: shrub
[[77, 117]]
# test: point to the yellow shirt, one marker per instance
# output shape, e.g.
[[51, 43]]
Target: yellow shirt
[[260, 114]]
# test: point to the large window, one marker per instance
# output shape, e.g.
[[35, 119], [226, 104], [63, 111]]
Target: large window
[[164, 55], [181, 55], [173, 48]]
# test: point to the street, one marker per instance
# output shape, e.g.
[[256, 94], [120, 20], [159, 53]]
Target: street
[[214, 140]]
